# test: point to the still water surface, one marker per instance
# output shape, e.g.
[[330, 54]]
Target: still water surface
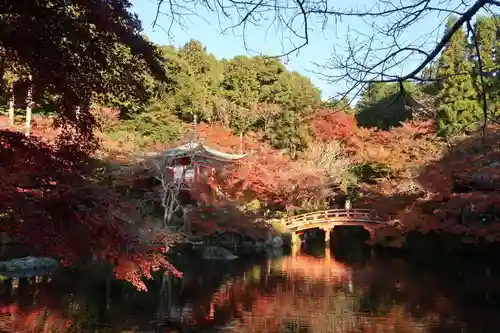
[[314, 291]]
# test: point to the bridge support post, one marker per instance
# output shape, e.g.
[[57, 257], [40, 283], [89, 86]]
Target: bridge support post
[[295, 250], [328, 254], [327, 231], [373, 235]]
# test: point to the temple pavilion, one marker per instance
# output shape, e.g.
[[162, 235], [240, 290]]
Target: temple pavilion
[[193, 161]]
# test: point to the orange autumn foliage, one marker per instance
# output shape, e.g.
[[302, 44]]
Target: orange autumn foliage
[[266, 173], [423, 172], [413, 144], [421, 188], [333, 125]]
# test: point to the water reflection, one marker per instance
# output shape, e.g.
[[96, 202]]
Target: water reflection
[[312, 290]]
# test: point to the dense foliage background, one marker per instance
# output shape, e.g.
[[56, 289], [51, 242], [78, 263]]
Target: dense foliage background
[[409, 149]]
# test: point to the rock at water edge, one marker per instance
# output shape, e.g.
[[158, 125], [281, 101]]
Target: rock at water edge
[[28, 263], [277, 241], [217, 253]]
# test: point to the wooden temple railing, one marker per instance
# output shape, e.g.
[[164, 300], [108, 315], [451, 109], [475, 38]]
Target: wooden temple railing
[[336, 216]]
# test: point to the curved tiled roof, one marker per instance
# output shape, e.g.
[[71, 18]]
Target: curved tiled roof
[[200, 149]]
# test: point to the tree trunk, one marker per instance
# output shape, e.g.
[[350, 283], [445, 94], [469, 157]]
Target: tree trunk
[[11, 105], [77, 112], [241, 142], [29, 98]]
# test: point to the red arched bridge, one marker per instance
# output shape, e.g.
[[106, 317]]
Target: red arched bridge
[[331, 218]]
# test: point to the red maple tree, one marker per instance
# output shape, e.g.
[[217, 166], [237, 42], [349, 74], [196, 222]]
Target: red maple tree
[[49, 202]]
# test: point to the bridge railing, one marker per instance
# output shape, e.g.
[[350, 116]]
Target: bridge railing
[[337, 215]]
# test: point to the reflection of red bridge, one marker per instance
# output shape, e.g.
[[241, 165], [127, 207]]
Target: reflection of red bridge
[[329, 219], [268, 309], [296, 268], [316, 269]]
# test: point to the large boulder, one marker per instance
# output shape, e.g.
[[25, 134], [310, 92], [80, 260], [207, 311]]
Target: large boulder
[[28, 266], [277, 241]]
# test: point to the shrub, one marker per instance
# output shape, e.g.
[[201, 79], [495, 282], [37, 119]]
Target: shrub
[[327, 158]]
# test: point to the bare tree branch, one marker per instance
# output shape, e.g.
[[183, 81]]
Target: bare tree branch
[[364, 59]]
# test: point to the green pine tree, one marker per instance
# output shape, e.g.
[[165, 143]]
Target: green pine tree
[[485, 31], [459, 109]]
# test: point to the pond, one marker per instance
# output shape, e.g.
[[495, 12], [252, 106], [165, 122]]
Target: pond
[[348, 289]]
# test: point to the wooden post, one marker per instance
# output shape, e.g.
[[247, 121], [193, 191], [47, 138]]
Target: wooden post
[[328, 254], [372, 234], [327, 231], [295, 249]]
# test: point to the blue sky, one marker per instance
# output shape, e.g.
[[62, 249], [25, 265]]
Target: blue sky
[[323, 41]]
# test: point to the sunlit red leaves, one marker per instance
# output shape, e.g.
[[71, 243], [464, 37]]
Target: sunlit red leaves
[[403, 148], [410, 145], [413, 150], [274, 180], [330, 125], [266, 173], [135, 267], [214, 135]]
